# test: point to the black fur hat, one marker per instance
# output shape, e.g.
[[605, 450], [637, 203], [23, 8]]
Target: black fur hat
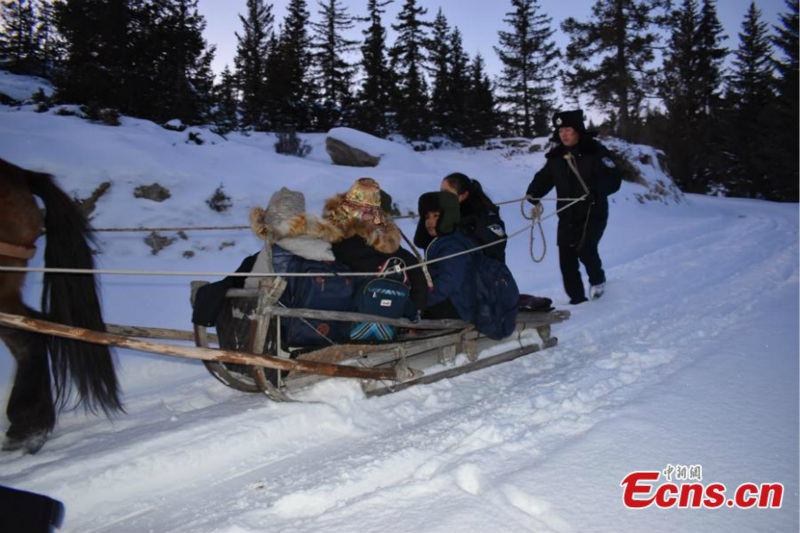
[[444, 202], [569, 119]]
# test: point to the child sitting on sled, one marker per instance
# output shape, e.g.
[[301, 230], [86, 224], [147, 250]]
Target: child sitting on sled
[[454, 284]]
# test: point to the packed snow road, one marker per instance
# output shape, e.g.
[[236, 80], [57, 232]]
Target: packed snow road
[[695, 294]]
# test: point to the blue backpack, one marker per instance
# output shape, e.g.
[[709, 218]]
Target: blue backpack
[[326, 293], [497, 297], [387, 295]]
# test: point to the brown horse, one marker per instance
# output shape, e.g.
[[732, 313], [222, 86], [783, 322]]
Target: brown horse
[[66, 298]]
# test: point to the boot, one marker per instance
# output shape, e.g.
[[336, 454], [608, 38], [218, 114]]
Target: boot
[[596, 291]]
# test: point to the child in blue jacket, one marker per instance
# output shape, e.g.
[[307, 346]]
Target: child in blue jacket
[[454, 283]]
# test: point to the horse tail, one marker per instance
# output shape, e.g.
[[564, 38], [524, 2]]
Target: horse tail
[[72, 299]]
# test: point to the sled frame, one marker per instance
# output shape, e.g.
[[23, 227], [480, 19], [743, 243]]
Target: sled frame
[[250, 322]]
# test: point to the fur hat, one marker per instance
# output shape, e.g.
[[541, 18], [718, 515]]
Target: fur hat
[[569, 119], [449, 218], [285, 216], [359, 212]]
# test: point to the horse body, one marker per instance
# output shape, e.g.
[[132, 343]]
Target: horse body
[[66, 298]]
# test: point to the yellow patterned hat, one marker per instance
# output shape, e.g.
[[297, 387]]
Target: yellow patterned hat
[[362, 202]]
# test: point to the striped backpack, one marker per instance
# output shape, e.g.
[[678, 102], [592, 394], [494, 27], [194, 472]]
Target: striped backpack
[[387, 295]]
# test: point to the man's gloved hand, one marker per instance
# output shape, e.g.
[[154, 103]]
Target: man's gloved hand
[[537, 210]]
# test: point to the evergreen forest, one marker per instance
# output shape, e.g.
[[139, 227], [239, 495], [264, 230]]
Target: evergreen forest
[[662, 72]]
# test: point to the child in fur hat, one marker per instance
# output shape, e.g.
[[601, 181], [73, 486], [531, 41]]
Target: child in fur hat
[[364, 236], [455, 288]]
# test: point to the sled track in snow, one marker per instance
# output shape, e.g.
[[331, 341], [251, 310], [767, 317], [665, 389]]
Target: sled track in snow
[[283, 475]]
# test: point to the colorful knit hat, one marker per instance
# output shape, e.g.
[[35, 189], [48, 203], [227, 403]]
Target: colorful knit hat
[[362, 202]]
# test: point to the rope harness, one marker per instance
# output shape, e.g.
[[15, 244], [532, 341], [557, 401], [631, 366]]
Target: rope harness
[[16, 251], [573, 166]]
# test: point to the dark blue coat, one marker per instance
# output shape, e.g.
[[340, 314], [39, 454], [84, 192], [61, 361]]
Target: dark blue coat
[[453, 279]]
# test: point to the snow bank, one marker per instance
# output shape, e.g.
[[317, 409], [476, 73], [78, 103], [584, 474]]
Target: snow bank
[[22, 87]]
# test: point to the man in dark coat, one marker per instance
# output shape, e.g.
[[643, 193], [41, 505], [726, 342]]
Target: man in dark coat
[[578, 166]]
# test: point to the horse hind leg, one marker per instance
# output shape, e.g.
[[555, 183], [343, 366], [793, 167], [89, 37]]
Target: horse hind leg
[[30, 407]]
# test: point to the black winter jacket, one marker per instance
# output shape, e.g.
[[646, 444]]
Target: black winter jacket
[[484, 227], [361, 257], [601, 176]]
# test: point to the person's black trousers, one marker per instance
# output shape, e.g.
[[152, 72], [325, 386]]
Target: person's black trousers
[[570, 257]]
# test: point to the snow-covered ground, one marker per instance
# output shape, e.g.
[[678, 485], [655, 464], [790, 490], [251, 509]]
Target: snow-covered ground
[[690, 359]]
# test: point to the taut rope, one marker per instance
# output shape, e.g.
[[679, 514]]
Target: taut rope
[[223, 228], [421, 264], [573, 166]]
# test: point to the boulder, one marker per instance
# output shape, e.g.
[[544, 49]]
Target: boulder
[[343, 154]]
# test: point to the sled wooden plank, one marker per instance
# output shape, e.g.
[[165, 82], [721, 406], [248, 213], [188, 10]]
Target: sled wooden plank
[[383, 355], [347, 316], [108, 339], [373, 356], [349, 351], [530, 319], [463, 369], [412, 346], [533, 319], [156, 333]]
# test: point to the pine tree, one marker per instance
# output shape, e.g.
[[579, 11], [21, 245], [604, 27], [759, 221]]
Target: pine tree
[[479, 106], [144, 58], [409, 62], [373, 95], [335, 73], [100, 60], [183, 66], [439, 52], [609, 56], [226, 111], [527, 83], [692, 62], [18, 37], [50, 44], [251, 63], [711, 56], [752, 107], [275, 83], [786, 41], [290, 82], [456, 120]]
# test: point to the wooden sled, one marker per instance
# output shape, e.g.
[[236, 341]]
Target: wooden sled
[[247, 355], [424, 352]]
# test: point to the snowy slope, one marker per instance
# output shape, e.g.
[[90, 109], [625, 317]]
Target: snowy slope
[[691, 358]]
